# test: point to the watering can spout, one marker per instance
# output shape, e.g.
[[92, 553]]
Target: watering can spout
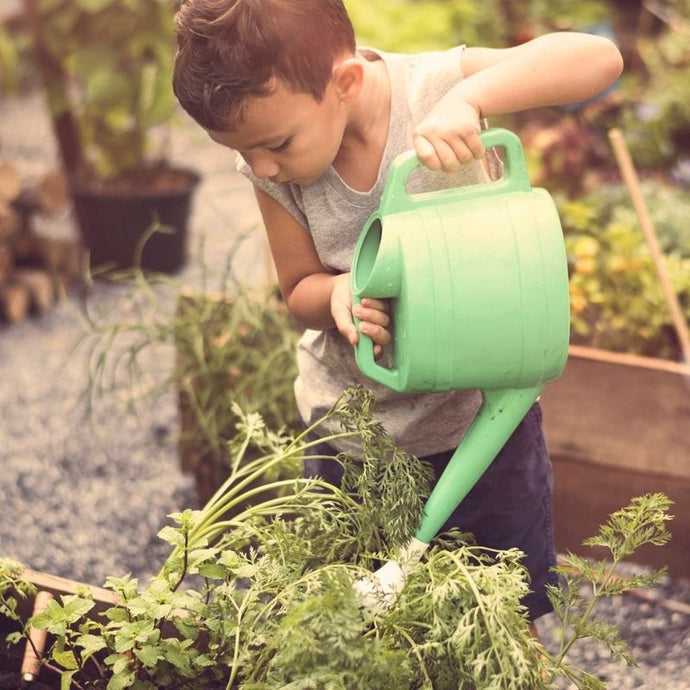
[[498, 417]]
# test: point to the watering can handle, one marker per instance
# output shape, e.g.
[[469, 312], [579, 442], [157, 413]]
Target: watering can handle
[[395, 197]]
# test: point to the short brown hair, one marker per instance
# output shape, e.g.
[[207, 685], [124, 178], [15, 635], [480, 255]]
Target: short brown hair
[[230, 50]]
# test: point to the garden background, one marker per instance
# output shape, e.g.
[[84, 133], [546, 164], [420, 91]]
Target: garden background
[[94, 388]]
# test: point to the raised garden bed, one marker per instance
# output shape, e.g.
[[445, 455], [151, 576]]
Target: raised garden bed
[[617, 426], [13, 660]]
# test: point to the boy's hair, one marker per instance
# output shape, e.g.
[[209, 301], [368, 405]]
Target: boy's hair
[[231, 50]]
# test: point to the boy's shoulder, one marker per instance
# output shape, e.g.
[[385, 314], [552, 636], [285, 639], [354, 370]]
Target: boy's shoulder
[[422, 78]]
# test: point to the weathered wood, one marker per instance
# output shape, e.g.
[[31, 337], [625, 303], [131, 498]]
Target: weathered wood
[[62, 258], [60, 585], [6, 262], [40, 285], [47, 194], [34, 271], [9, 222], [10, 182], [621, 411], [35, 645], [15, 302]]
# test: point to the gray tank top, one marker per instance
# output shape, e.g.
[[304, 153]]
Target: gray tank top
[[334, 214]]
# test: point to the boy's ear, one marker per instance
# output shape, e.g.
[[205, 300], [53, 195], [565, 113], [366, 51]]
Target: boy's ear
[[348, 75]]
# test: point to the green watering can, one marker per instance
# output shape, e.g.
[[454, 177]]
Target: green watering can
[[478, 283]]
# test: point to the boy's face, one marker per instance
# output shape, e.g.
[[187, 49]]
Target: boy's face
[[288, 137]]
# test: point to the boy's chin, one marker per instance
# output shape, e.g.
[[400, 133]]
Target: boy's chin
[[303, 181]]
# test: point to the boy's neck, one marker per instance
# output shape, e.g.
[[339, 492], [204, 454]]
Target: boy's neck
[[364, 140]]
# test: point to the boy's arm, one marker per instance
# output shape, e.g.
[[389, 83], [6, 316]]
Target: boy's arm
[[554, 69], [315, 296]]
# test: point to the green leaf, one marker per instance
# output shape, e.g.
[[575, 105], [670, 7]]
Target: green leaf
[[117, 614], [46, 6], [156, 97], [66, 680], [66, 659], [106, 89], [149, 655], [121, 680], [213, 571], [172, 535], [76, 607], [90, 644], [14, 637], [94, 6], [174, 653], [642, 522], [119, 663]]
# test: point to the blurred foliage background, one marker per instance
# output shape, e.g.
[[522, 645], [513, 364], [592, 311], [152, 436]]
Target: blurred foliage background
[[616, 298], [617, 301]]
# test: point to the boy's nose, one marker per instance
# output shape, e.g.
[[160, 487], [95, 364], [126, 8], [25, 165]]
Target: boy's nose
[[263, 166]]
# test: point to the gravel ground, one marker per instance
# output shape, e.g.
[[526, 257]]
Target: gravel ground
[[83, 497]]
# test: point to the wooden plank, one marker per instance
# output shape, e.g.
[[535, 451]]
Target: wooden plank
[[654, 363], [15, 302], [6, 262], [40, 286], [60, 585], [585, 494], [610, 411]]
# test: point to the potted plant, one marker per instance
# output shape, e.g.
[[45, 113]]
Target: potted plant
[[235, 345], [265, 597], [106, 70]]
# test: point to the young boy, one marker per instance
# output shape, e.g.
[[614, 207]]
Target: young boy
[[316, 122]]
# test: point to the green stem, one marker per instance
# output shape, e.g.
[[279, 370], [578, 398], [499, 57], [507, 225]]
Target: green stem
[[565, 648], [270, 507], [415, 649], [263, 464], [236, 652], [232, 499]]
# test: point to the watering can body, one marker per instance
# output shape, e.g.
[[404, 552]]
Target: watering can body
[[477, 278], [478, 284]]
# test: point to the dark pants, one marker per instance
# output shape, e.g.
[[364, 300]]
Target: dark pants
[[509, 507]]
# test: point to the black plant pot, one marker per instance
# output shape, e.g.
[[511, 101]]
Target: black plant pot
[[123, 229]]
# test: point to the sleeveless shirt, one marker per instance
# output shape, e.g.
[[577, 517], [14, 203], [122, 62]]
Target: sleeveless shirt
[[335, 214]]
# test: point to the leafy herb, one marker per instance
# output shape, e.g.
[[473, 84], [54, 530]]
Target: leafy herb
[[642, 522]]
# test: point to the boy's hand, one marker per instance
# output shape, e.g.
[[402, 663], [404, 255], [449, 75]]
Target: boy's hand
[[449, 136], [372, 313], [374, 322]]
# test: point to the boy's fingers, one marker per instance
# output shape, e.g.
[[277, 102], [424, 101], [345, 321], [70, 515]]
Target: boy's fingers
[[426, 152], [448, 155], [342, 316], [467, 149], [378, 304], [378, 334], [378, 317]]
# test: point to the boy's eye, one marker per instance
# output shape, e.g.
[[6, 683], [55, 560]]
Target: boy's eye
[[281, 147]]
